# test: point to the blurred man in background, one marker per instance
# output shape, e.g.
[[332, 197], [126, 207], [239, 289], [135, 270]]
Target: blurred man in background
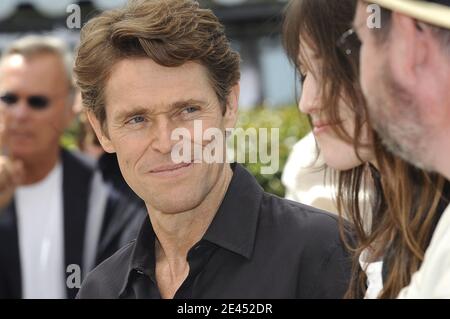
[[53, 209]]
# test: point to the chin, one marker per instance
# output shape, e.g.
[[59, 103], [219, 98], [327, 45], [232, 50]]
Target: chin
[[175, 204], [22, 154], [341, 164], [343, 168]]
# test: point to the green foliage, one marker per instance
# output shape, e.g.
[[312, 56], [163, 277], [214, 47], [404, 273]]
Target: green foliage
[[292, 127], [69, 140]]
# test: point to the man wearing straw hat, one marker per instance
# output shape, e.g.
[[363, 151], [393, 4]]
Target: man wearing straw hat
[[405, 76]]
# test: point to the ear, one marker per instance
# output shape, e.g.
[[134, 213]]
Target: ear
[[77, 106], [101, 134], [407, 52], [231, 112]]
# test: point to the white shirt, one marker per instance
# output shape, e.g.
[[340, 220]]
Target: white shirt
[[306, 181], [41, 237], [304, 177], [374, 275], [432, 280], [97, 204]]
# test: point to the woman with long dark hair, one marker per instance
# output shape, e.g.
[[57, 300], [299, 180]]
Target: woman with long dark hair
[[405, 203]]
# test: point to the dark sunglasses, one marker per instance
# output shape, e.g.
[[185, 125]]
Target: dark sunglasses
[[36, 102], [349, 42]]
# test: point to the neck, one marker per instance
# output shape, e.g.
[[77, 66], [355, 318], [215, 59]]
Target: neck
[[438, 102], [38, 168], [438, 146], [177, 233], [442, 157]]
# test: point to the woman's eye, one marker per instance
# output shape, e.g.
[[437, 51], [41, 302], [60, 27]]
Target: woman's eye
[[302, 73], [136, 120], [303, 77]]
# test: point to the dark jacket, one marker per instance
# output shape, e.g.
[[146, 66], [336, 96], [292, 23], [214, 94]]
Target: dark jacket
[[120, 224]]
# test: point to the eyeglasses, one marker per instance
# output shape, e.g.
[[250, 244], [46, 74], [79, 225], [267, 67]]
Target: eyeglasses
[[349, 42], [36, 102]]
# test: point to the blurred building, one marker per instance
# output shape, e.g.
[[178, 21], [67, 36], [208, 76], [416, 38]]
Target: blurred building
[[254, 27]]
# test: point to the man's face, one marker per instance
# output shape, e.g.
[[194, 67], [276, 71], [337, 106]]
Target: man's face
[[32, 133], [393, 108], [145, 103]]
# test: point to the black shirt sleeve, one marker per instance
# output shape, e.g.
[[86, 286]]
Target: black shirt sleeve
[[333, 275]]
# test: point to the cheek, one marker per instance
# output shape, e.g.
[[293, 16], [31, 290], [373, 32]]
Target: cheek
[[127, 163], [207, 128], [364, 69], [55, 119], [371, 62], [5, 118], [129, 149], [47, 127]]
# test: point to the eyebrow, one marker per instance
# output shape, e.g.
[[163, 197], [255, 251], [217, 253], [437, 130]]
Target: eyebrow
[[129, 112], [138, 110], [181, 104]]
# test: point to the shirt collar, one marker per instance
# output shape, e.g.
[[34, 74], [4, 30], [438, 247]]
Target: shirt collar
[[233, 227], [143, 254]]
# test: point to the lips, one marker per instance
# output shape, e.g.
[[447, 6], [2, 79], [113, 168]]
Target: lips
[[19, 134], [169, 168], [317, 122], [320, 124]]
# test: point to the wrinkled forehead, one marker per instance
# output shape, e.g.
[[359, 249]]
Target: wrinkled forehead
[[141, 79]]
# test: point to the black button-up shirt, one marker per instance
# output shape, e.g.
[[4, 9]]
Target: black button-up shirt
[[257, 246]]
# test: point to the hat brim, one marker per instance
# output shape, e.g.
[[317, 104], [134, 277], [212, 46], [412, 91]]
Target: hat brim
[[429, 12]]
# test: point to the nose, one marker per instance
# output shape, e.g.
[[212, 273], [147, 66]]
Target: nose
[[161, 136], [308, 99], [19, 111]]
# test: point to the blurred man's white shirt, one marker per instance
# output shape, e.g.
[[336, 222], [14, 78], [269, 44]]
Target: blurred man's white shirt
[[96, 211], [433, 278], [41, 237]]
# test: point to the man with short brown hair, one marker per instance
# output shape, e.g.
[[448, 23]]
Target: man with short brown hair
[[146, 71]]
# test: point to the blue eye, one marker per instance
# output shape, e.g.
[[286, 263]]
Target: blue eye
[[136, 120], [190, 109]]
